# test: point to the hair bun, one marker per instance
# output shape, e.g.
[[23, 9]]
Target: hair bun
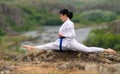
[[67, 12], [71, 15]]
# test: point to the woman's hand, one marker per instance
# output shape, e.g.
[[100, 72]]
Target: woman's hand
[[60, 35], [111, 51], [29, 47]]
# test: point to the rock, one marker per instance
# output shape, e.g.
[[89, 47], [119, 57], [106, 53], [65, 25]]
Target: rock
[[70, 65], [5, 72], [65, 66], [6, 69], [90, 67], [108, 68], [66, 56]]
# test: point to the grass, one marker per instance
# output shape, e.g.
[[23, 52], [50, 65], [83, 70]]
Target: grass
[[7, 41], [10, 47]]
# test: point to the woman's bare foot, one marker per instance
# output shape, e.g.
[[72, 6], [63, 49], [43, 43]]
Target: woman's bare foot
[[29, 47], [111, 51]]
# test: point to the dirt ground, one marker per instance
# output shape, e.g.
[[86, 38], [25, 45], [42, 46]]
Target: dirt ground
[[65, 62], [37, 69]]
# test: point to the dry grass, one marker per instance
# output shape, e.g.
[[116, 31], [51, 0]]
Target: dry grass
[[47, 70]]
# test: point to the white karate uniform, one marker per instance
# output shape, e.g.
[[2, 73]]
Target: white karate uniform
[[69, 42]]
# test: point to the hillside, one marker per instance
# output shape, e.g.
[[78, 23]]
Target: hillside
[[30, 14]]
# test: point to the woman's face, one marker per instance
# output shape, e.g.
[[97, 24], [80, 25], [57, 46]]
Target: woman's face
[[63, 17]]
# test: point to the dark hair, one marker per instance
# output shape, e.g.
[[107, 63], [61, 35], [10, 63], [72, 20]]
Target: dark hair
[[66, 12]]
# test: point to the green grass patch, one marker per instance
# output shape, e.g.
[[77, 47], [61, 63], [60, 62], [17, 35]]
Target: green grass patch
[[6, 41]]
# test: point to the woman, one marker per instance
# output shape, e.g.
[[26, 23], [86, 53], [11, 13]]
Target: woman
[[67, 39]]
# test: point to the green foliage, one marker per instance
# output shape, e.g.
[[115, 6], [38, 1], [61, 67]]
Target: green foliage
[[76, 18], [6, 42], [105, 40], [11, 22], [117, 47], [109, 40], [2, 33], [35, 17], [53, 21], [100, 31], [18, 49], [97, 16], [109, 16], [109, 5], [93, 39], [37, 13], [32, 17]]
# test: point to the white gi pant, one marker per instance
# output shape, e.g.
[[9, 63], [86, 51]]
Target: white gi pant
[[69, 44]]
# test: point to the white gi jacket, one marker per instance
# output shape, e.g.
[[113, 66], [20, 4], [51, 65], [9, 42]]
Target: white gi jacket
[[67, 30]]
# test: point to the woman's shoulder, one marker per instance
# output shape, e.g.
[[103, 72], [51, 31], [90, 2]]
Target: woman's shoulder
[[69, 22]]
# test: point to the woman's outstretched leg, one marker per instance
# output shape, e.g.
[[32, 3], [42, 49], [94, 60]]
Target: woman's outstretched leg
[[42, 47], [80, 47]]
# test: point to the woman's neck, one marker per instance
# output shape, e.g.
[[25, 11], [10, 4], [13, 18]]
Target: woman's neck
[[66, 19]]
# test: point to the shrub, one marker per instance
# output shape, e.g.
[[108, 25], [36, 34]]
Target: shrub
[[53, 22], [105, 40], [109, 16], [93, 40], [113, 6], [117, 47], [76, 18], [97, 16], [2, 33], [109, 40]]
